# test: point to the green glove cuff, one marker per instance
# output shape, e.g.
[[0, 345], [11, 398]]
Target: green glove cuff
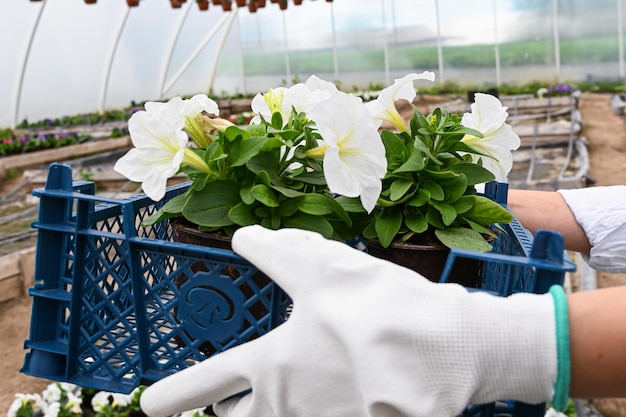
[[564, 363]]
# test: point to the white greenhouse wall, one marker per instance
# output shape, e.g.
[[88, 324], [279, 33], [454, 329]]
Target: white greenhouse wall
[[63, 57]]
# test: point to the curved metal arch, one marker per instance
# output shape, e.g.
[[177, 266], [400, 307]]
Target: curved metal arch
[[20, 81], [107, 75], [170, 53], [220, 48], [224, 19]]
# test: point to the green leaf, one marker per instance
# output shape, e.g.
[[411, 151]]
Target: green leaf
[[435, 190], [416, 222], [271, 144], [441, 175], [475, 173], [420, 198], [479, 228], [393, 144], [433, 216], [398, 189], [415, 163], [209, 207], [462, 238], [254, 129], [309, 222], [277, 120], [464, 204], [486, 212], [350, 204], [288, 192], [233, 133], [454, 188], [264, 194], [448, 212], [264, 161], [387, 226], [264, 178], [316, 204], [420, 146], [172, 208], [313, 178], [321, 205], [243, 150], [246, 195], [243, 215], [288, 208]]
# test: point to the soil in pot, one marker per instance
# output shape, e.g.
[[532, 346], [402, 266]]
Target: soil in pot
[[429, 261]]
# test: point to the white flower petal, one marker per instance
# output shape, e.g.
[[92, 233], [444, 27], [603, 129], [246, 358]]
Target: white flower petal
[[301, 98], [158, 153], [355, 162], [316, 83], [384, 107], [488, 116], [199, 103]]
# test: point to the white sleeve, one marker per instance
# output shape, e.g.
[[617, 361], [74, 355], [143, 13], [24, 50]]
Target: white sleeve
[[601, 211]]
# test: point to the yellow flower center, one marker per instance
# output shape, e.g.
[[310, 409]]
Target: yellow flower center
[[274, 101]]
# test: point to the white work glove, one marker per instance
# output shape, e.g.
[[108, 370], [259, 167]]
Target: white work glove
[[601, 212], [369, 338]]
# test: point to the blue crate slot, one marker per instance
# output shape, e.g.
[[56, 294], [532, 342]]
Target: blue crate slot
[[117, 305]]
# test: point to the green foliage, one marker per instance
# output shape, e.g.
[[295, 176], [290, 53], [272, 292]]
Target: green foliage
[[428, 193], [253, 182]]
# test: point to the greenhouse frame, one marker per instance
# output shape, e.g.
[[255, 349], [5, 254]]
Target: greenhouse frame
[[69, 57]]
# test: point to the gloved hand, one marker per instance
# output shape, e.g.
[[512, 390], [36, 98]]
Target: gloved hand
[[369, 338]]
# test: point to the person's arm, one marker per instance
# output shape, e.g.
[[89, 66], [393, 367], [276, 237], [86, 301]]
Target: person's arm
[[598, 343], [592, 221], [537, 210]]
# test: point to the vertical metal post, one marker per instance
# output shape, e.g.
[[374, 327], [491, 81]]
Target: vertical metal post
[[620, 40], [555, 33], [442, 78], [242, 66], [496, 42], [385, 43], [332, 22], [286, 49]]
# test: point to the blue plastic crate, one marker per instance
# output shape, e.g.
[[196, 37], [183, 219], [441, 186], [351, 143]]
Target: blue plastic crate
[[116, 305]]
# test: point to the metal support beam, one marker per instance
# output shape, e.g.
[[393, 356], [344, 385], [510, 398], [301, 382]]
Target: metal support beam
[[17, 93], [107, 75]]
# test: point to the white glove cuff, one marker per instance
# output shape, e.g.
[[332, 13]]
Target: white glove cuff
[[517, 347]]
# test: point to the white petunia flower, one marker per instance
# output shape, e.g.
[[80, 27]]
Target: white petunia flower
[[29, 401], [301, 97], [121, 400], [52, 410], [384, 107], [488, 116], [52, 393], [160, 148], [354, 155], [74, 403], [100, 400], [266, 104]]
